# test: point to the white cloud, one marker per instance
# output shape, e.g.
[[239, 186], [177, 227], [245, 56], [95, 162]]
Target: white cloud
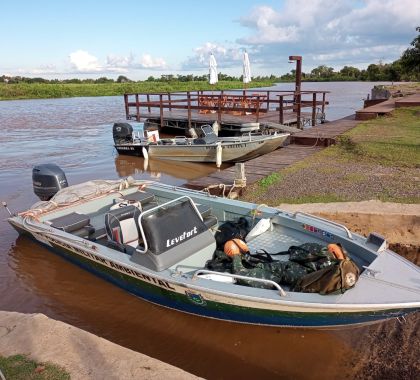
[[330, 30], [83, 62], [226, 56], [115, 61], [148, 62]]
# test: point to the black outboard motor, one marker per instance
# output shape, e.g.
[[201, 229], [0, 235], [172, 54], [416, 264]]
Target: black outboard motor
[[47, 180], [122, 133]]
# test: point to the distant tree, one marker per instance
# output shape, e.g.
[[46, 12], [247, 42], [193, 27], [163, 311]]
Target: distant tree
[[410, 59], [123, 79], [392, 71], [167, 78], [104, 80], [350, 72], [373, 72]]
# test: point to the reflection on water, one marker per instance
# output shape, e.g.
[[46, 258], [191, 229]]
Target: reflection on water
[[76, 134], [137, 166], [64, 291]]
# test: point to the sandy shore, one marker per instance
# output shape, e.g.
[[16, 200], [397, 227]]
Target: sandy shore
[[82, 354], [399, 223]]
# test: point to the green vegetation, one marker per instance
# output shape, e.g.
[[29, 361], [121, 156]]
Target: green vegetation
[[24, 90], [19, 367], [269, 180], [389, 141], [379, 159]]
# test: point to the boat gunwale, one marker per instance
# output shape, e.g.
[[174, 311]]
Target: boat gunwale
[[185, 282]]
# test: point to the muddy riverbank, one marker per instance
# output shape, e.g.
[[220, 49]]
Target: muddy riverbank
[[83, 355]]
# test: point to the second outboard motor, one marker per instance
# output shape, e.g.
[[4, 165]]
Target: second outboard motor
[[47, 180], [122, 133]]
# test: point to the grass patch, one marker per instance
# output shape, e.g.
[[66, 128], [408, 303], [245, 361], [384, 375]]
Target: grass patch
[[269, 180], [391, 140], [19, 367], [379, 159], [66, 90]]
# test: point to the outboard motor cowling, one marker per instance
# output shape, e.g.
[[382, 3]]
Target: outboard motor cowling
[[122, 133], [47, 180]]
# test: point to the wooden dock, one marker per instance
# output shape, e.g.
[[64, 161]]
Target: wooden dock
[[408, 101], [324, 134], [387, 106], [257, 168], [231, 109], [304, 143], [179, 119]]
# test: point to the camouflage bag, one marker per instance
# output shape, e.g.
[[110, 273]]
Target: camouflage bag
[[220, 262], [336, 278]]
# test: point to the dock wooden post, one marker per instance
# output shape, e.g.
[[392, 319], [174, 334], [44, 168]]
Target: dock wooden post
[[170, 101], [281, 117], [189, 109], [297, 101], [314, 109], [137, 108], [127, 112], [258, 108], [240, 178], [148, 101], [219, 110], [268, 101], [161, 110], [323, 103]]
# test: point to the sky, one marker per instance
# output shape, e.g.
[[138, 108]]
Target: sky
[[138, 39]]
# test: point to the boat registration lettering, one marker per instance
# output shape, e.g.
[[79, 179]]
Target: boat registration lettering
[[125, 148], [111, 264], [317, 231]]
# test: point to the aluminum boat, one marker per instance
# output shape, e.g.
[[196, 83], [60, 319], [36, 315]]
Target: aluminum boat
[[154, 240]]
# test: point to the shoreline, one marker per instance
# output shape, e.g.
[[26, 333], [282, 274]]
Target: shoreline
[[82, 354]]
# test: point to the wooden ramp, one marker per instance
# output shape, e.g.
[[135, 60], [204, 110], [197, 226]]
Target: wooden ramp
[[376, 110], [324, 134], [387, 107], [257, 168], [408, 101]]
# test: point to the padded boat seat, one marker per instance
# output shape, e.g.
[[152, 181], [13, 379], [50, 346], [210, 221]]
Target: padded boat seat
[[204, 210], [173, 233], [121, 226], [142, 200], [140, 196], [208, 219], [74, 223]]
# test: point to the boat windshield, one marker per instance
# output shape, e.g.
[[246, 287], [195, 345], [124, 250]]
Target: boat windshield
[[208, 130]]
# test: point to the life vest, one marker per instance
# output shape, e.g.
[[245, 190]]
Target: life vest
[[235, 247]]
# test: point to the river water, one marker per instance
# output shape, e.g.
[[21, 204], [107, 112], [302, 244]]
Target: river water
[[76, 134]]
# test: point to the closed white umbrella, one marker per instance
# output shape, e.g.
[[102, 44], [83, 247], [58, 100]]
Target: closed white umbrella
[[213, 70], [246, 69]]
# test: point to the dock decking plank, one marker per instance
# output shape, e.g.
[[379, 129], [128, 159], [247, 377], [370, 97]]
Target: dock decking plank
[[257, 168]]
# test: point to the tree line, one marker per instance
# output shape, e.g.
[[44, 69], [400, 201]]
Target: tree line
[[406, 68]]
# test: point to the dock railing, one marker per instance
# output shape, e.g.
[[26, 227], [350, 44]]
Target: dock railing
[[249, 103]]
